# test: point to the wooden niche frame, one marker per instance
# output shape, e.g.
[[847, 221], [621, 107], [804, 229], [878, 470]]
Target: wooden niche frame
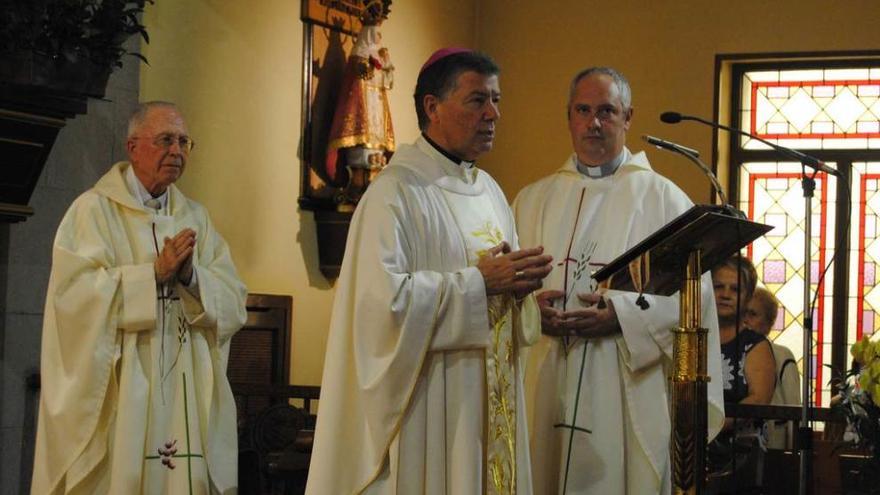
[[329, 30]]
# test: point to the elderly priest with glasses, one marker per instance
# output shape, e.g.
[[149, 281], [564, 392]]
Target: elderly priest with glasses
[[143, 300]]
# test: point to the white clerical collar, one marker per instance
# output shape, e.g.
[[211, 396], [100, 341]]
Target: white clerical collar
[[466, 171], [604, 170], [140, 192]]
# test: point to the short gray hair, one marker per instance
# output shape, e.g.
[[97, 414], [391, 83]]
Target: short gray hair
[[619, 80], [140, 114]]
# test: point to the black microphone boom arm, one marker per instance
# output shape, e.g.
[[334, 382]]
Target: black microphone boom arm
[[809, 161]]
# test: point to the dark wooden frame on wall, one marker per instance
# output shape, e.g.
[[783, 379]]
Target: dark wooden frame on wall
[[328, 26], [30, 120], [744, 62]]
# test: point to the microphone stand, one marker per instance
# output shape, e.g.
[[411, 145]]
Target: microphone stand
[[808, 185], [805, 430]]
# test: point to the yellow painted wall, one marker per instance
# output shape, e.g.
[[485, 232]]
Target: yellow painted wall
[[666, 48], [234, 68]]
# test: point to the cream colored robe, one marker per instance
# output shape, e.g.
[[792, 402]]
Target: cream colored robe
[[780, 434], [101, 342], [403, 397], [624, 389]]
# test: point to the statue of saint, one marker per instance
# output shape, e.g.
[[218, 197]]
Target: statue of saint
[[361, 136]]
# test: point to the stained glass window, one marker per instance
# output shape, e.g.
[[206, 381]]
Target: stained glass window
[[812, 109], [864, 307], [832, 113], [771, 193]]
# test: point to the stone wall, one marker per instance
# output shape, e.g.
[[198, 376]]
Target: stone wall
[[84, 150]]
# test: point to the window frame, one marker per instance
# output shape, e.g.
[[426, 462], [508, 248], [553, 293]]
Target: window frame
[[729, 71]]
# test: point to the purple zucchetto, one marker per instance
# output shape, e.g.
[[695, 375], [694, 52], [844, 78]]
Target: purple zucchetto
[[441, 54]]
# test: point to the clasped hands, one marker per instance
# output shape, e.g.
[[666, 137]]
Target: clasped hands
[[596, 319], [175, 259], [514, 272]]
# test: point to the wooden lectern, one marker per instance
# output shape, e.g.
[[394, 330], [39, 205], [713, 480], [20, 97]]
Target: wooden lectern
[[672, 260]]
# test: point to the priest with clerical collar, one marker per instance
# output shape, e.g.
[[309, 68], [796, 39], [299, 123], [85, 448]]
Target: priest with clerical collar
[[142, 304], [597, 379], [422, 389]]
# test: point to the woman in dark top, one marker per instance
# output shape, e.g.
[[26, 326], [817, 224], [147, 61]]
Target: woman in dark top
[[735, 354], [748, 371]]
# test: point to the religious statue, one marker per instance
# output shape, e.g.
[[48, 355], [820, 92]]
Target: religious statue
[[361, 136]]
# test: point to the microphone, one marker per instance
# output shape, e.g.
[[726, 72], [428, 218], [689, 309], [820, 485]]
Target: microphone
[[669, 145], [809, 161], [670, 117], [694, 156]]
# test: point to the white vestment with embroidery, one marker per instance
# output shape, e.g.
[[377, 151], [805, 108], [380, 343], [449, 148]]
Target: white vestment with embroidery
[[585, 223], [134, 394], [410, 384]]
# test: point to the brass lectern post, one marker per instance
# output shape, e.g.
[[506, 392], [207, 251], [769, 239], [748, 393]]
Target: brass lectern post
[[689, 377]]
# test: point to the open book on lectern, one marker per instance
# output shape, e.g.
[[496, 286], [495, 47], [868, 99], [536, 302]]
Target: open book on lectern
[[656, 265]]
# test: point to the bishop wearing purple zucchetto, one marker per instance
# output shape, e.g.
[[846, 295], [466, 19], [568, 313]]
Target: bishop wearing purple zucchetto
[[422, 389]]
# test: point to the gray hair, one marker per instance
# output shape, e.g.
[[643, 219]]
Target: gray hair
[[140, 114], [619, 80]]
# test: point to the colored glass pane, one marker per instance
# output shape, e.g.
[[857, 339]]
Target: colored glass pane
[[864, 251], [770, 192], [812, 109]]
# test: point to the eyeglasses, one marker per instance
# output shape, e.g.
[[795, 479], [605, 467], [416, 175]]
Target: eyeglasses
[[166, 141]]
